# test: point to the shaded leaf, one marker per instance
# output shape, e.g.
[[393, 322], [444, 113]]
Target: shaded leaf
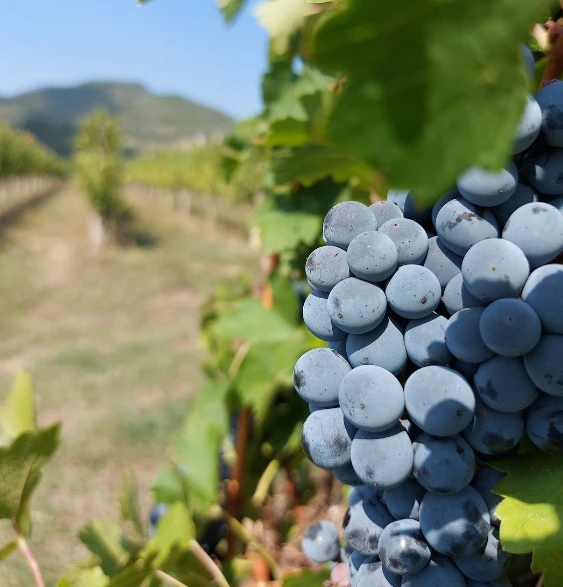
[[286, 300], [8, 549], [132, 576], [231, 8], [103, 538], [86, 578], [129, 502], [307, 578], [285, 230], [18, 414]]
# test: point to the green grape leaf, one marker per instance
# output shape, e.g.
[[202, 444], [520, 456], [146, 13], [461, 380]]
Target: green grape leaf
[[18, 414], [281, 18], [231, 8], [425, 99], [132, 576], [8, 549], [169, 486], [286, 301], [21, 466], [532, 511], [129, 502], [175, 528], [285, 230], [103, 538], [198, 444], [287, 133], [307, 578], [86, 578]]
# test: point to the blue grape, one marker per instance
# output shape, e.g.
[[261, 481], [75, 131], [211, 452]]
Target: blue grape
[[468, 370], [494, 433], [543, 292], [321, 543], [503, 384], [455, 524], [372, 573], [484, 481], [339, 346], [439, 400], [440, 572], [355, 561], [545, 365], [317, 376], [443, 465], [325, 267], [488, 565], [413, 292], [347, 475], [502, 582], [457, 296], [543, 171], [463, 336], [412, 429], [404, 500], [441, 261], [410, 239], [544, 424], [326, 438], [384, 211], [317, 318], [364, 492], [438, 205], [494, 269], [550, 101], [529, 61], [382, 458], [372, 256], [402, 548], [313, 407], [406, 201], [346, 220], [538, 230], [460, 225], [362, 526], [158, 511], [524, 194], [488, 188], [356, 306], [425, 341], [371, 398], [529, 127], [384, 347], [510, 327]]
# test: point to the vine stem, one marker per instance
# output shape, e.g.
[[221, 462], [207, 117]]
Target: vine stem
[[23, 545], [168, 579], [265, 481], [540, 582], [196, 549], [238, 529]]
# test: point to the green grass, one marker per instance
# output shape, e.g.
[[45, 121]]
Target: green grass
[[111, 338]]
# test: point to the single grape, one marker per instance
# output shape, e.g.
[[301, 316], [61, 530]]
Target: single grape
[[529, 61], [455, 524], [356, 306], [550, 101], [355, 561], [406, 201], [494, 269], [544, 423], [325, 267], [510, 327], [371, 398], [494, 433], [443, 465], [321, 543], [372, 573], [440, 572], [488, 188], [488, 565], [545, 365], [346, 220], [384, 347], [404, 500], [402, 548], [544, 293], [317, 376], [372, 256], [317, 318], [439, 400], [347, 475], [460, 225], [538, 230], [413, 292], [463, 336], [457, 296], [382, 458], [484, 481], [529, 127], [384, 211], [326, 438], [543, 170], [524, 194], [447, 197], [503, 384], [425, 341], [362, 526], [441, 261], [410, 239]]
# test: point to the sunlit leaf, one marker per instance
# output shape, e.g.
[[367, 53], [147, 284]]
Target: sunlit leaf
[[18, 413]]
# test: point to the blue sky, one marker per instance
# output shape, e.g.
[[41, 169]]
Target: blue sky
[[172, 46]]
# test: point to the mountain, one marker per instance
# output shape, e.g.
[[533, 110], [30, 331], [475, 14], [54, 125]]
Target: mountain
[[149, 121]]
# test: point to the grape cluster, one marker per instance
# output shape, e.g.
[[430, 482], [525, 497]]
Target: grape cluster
[[445, 346]]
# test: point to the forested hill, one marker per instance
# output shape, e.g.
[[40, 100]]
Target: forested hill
[[149, 121]]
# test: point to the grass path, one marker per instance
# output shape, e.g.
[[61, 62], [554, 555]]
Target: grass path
[[111, 339]]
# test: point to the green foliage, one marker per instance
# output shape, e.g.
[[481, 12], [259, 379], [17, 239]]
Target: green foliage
[[99, 165], [18, 414]]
